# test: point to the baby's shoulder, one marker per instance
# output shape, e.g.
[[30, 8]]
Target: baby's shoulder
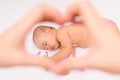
[[61, 32], [61, 29]]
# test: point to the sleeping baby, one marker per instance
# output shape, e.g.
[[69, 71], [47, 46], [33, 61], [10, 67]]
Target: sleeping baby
[[66, 38]]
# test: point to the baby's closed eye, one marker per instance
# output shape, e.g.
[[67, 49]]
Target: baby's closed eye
[[45, 46]]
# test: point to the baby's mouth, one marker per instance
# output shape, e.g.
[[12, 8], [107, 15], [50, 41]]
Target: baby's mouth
[[53, 48]]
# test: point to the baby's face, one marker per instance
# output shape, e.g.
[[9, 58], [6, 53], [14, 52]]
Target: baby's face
[[48, 42]]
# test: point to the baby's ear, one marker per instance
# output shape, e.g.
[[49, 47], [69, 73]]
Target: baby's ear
[[48, 30]]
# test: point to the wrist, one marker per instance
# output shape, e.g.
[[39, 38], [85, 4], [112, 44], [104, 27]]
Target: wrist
[[35, 16]]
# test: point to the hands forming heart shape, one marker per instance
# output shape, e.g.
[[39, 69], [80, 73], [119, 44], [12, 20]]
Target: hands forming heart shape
[[104, 52]]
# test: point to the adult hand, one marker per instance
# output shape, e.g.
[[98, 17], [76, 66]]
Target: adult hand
[[104, 52], [12, 42]]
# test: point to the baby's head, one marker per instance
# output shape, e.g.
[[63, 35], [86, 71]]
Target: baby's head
[[44, 38]]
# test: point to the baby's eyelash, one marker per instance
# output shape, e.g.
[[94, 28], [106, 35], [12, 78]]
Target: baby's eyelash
[[46, 48]]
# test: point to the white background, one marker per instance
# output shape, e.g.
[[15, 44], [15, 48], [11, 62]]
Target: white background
[[12, 10]]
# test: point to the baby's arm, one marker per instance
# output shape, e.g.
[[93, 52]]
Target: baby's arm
[[66, 46]]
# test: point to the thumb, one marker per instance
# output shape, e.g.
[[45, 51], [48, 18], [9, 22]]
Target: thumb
[[70, 64], [34, 60], [64, 67], [75, 63]]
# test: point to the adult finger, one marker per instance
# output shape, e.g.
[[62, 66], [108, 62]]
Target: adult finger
[[52, 14], [70, 64], [33, 60]]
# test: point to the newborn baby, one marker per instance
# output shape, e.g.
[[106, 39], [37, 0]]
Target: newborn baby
[[66, 38]]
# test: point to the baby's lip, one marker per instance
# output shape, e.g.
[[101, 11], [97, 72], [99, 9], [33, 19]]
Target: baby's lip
[[53, 48]]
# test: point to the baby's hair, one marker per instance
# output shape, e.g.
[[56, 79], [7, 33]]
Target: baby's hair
[[39, 30]]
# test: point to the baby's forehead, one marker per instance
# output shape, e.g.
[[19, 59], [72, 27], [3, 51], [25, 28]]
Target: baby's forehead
[[39, 32]]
